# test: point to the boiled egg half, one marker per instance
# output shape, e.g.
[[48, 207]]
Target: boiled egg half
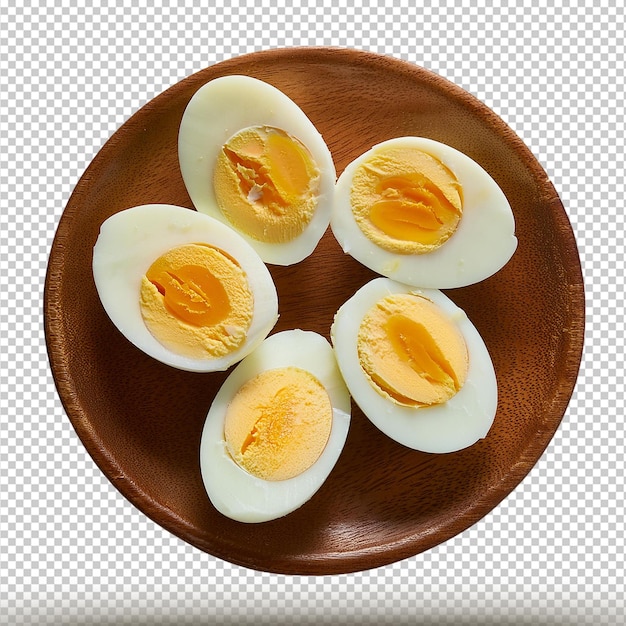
[[250, 157], [422, 213], [416, 366], [275, 429], [183, 287]]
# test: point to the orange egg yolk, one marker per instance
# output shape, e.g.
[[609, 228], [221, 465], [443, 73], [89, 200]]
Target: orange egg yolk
[[406, 201], [411, 352], [278, 423], [196, 301], [266, 184]]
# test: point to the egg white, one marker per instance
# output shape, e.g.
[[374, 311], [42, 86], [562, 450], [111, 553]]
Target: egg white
[[240, 495], [131, 240], [482, 244], [220, 109], [454, 425]]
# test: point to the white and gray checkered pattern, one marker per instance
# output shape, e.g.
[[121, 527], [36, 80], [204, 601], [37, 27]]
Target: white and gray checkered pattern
[[74, 551]]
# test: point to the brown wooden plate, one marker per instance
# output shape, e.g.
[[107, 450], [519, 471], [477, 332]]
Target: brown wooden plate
[[141, 421]]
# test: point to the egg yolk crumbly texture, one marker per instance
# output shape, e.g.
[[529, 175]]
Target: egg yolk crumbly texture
[[406, 201], [278, 423], [411, 352], [196, 301], [266, 184]]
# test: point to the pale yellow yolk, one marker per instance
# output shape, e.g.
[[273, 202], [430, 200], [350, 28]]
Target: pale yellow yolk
[[411, 352], [278, 423], [406, 201], [266, 184], [196, 301]]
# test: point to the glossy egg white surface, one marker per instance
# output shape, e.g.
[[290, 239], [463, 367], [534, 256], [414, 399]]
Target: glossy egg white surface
[[454, 425], [482, 244], [131, 240], [232, 490], [220, 109]]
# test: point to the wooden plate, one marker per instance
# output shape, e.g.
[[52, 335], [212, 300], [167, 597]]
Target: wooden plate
[[141, 421]]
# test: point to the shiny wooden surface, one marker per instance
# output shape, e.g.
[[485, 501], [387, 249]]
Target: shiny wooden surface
[[141, 421]]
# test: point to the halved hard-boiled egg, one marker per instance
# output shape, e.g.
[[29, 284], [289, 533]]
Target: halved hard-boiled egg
[[423, 213], [250, 157], [416, 366], [275, 429], [183, 287]]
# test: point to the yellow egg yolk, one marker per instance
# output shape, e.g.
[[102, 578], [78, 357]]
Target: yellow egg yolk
[[266, 184], [278, 423], [196, 301], [406, 201], [411, 352]]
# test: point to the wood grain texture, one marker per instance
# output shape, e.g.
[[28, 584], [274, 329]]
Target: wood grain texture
[[141, 421]]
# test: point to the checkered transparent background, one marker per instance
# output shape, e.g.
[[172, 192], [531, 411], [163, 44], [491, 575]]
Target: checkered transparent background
[[74, 551]]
